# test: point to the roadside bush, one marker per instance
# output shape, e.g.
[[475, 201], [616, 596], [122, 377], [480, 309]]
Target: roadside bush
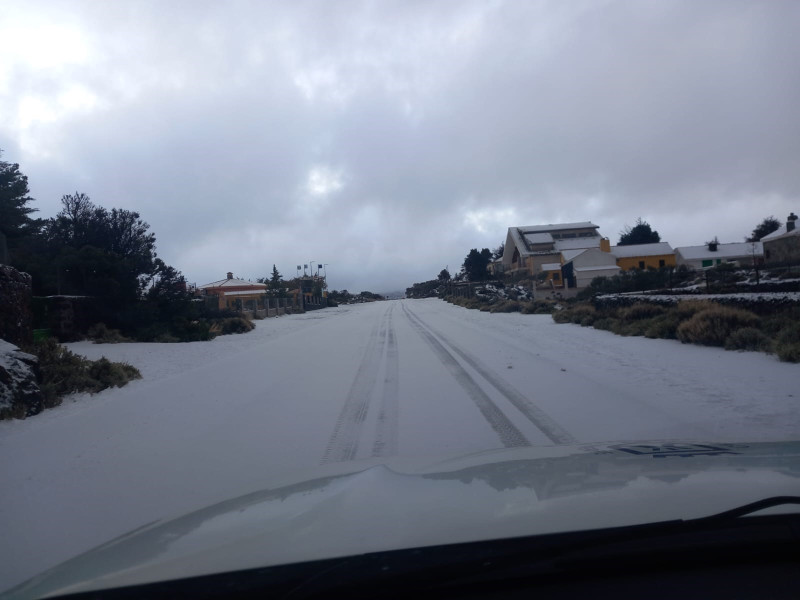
[[506, 306], [606, 324], [64, 372], [641, 310], [112, 374], [712, 326], [165, 338], [776, 323], [538, 307], [664, 326], [236, 325], [100, 334], [748, 338], [626, 328], [584, 313], [686, 309], [787, 344]]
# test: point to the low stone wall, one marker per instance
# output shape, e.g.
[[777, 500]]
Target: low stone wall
[[744, 300], [16, 318]]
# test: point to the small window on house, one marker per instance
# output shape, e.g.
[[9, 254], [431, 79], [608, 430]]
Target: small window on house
[[662, 263], [708, 263], [641, 264], [719, 261], [556, 276]]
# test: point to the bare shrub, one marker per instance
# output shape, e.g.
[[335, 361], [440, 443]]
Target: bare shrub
[[712, 326]]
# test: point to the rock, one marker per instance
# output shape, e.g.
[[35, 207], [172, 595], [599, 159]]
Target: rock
[[20, 395], [16, 319]]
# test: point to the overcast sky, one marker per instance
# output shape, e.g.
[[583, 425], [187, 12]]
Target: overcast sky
[[386, 139]]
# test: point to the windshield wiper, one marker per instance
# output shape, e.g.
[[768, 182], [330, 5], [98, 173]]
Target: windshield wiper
[[748, 509]]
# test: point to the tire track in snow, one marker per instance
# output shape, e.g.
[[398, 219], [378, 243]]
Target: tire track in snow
[[343, 443], [510, 436], [387, 426], [543, 421]]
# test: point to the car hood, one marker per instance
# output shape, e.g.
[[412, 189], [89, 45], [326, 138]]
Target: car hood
[[371, 506]]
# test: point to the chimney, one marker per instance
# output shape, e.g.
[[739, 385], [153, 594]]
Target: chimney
[[712, 245], [790, 222], [230, 275]]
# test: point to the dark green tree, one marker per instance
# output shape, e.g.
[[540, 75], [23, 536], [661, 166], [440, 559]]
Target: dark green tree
[[15, 220], [766, 227], [276, 285], [444, 275], [497, 253], [107, 253], [476, 263], [640, 233]]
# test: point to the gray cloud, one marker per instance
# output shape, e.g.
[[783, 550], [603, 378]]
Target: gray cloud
[[389, 138]]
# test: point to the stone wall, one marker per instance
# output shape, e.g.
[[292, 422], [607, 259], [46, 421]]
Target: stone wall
[[16, 319]]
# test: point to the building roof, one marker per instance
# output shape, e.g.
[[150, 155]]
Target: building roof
[[780, 233], [538, 238], [233, 283], [523, 237], [571, 254], [244, 292], [578, 243], [598, 268], [551, 267], [735, 250], [634, 250], [557, 227]]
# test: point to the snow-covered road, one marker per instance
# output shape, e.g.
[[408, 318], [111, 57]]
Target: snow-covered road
[[399, 378]]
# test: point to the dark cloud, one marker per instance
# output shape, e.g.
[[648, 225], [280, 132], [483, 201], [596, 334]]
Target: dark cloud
[[389, 138]]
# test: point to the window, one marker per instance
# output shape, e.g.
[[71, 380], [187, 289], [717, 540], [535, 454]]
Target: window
[[662, 263], [641, 264], [556, 276], [708, 263]]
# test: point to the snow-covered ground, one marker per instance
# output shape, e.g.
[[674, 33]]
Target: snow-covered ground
[[211, 420]]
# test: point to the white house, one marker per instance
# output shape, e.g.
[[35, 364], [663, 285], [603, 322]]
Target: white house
[[582, 265], [713, 254]]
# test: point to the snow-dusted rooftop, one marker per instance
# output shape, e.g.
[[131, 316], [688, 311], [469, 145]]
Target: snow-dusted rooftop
[[539, 238], [558, 227], [233, 283], [780, 233], [735, 250], [570, 254], [578, 243], [598, 268], [551, 267], [244, 292], [633, 250]]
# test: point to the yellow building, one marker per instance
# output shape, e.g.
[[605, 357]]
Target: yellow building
[[644, 256], [234, 293]]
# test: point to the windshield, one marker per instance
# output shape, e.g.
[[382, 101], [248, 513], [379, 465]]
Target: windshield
[[287, 281]]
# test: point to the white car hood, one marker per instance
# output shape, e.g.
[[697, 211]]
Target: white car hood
[[357, 508]]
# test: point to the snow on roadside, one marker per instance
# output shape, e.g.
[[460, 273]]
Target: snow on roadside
[[156, 361]]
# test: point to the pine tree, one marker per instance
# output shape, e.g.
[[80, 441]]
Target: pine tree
[[276, 285]]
